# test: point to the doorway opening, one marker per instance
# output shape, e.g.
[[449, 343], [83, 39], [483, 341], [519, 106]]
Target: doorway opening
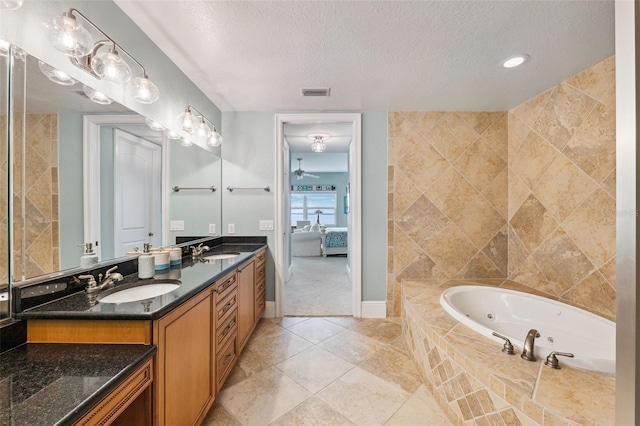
[[318, 226]]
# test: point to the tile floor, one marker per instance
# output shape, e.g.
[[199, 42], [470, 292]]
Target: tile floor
[[325, 371]]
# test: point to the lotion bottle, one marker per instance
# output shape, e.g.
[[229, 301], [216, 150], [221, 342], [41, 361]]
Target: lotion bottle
[[146, 263], [89, 258]]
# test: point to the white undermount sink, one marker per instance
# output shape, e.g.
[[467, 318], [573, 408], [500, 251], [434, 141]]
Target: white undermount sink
[[141, 292], [221, 256]]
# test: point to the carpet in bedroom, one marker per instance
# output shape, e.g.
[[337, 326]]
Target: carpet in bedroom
[[319, 286]]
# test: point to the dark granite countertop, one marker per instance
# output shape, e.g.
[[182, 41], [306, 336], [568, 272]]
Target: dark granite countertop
[[194, 277], [56, 384]]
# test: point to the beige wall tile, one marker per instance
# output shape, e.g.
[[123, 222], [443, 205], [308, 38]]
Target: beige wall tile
[[422, 121], [422, 164], [497, 136], [451, 250], [480, 121], [479, 221], [609, 183], [532, 159], [594, 293], [451, 193], [533, 223], [563, 187], [405, 250], [405, 193], [479, 165], [609, 98], [593, 227], [497, 193], [529, 111], [518, 192], [593, 148], [563, 115], [595, 81], [480, 267], [421, 267], [497, 251], [608, 271], [405, 138], [422, 221], [451, 136]]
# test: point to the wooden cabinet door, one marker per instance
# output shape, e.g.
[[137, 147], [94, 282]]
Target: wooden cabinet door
[[184, 385], [246, 302]]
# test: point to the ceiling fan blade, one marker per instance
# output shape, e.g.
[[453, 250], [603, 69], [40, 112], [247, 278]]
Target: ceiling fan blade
[[311, 176]]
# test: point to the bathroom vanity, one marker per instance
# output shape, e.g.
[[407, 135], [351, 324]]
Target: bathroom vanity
[[199, 329]]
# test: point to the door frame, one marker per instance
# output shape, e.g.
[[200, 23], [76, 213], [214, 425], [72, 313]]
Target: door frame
[[355, 214], [91, 173]]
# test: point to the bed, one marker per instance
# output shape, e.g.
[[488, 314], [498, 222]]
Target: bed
[[334, 241]]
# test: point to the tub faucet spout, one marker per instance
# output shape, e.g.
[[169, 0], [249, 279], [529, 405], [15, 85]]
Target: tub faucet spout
[[527, 351]]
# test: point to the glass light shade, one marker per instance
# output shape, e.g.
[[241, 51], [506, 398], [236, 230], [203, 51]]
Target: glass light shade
[[68, 36], [318, 145], [56, 75], [215, 139], [109, 66], [4, 46], [153, 125], [95, 96], [10, 4], [173, 135], [186, 142], [144, 90], [202, 132], [188, 121]]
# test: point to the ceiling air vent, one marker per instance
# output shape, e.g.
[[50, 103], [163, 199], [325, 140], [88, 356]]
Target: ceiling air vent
[[316, 92]]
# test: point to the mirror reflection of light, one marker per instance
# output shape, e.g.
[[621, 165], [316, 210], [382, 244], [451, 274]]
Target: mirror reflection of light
[[186, 142]]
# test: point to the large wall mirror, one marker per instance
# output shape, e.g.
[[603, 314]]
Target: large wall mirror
[[87, 172]]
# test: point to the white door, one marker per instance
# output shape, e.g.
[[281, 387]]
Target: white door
[[137, 193]]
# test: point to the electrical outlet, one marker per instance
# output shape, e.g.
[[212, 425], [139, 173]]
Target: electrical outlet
[[266, 225], [231, 228], [212, 228], [176, 225]]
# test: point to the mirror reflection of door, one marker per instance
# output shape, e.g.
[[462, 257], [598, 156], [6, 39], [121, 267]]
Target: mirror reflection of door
[[137, 193]]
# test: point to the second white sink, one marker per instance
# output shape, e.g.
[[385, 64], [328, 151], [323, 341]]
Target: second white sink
[[221, 256], [140, 292]]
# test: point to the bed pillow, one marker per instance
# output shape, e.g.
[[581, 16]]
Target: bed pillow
[[315, 228], [306, 228]]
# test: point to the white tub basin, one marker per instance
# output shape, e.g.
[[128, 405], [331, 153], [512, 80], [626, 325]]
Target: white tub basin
[[562, 328], [221, 256], [140, 292]]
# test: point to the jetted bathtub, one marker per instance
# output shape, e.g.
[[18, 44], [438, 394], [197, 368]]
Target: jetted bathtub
[[562, 328]]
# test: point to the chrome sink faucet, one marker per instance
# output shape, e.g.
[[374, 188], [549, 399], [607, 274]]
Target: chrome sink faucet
[[527, 351], [110, 278], [196, 252]]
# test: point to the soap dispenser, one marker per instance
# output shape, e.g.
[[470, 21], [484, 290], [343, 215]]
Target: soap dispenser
[[146, 263], [89, 258]]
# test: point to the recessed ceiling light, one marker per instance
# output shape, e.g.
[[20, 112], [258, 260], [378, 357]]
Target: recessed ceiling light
[[514, 61]]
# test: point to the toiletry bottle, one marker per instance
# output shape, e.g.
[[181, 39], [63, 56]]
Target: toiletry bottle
[[146, 263], [89, 257]]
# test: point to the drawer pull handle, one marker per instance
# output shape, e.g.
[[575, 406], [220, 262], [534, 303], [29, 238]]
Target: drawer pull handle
[[260, 287], [261, 305], [226, 285], [228, 306], [261, 256], [261, 272], [228, 359]]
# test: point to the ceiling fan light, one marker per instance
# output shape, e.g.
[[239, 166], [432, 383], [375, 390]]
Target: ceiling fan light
[[56, 75], [144, 90], [109, 66], [95, 96], [69, 36]]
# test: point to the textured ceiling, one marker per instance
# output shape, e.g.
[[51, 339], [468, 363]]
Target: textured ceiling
[[376, 55]]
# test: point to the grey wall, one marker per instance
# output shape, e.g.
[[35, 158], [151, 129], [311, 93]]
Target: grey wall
[[339, 180], [249, 160], [194, 168]]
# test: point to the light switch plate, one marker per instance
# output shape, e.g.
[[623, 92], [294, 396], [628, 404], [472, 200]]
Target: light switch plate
[[212, 228], [266, 225], [231, 228], [176, 225]]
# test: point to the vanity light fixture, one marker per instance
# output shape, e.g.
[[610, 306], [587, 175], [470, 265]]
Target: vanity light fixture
[[56, 75], [95, 96], [10, 4], [318, 144], [101, 59], [194, 122], [153, 125], [515, 61]]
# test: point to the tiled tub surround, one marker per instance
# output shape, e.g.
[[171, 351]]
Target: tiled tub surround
[[475, 383], [527, 194]]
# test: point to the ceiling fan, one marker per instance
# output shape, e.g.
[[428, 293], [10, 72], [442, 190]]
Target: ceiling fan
[[301, 173]]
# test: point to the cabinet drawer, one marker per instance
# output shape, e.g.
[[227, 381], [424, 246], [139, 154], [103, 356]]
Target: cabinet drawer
[[224, 287], [226, 308], [225, 360], [260, 305], [261, 258], [260, 286], [226, 330]]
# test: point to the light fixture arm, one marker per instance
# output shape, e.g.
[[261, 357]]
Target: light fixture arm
[[99, 44], [200, 115]]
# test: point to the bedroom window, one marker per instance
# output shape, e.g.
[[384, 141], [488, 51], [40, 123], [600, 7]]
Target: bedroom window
[[304, 205]]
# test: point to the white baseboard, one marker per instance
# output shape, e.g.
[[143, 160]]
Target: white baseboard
[[269, 310], [373, 309], [289, 272]]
